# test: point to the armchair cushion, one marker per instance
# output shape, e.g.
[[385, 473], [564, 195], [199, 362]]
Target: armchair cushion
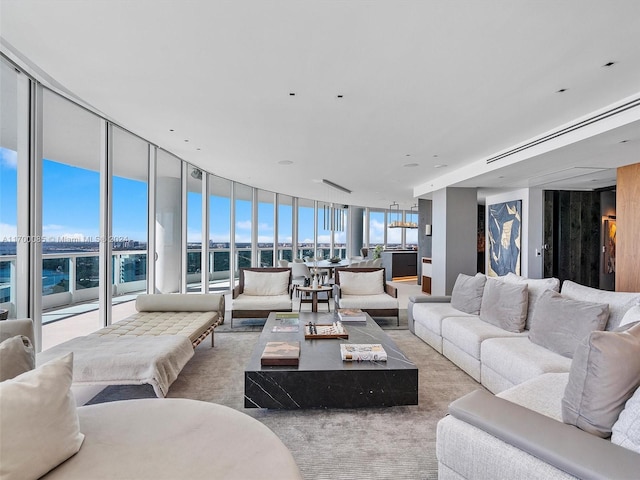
[[362, 283], [373, 302], [266, 283], [17, 356], [39, 420], [262, 302]]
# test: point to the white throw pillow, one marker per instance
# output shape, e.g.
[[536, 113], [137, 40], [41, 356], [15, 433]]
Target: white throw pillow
[[362, 283], [626, 430], [632, 315], [40, 427], [266, 283]]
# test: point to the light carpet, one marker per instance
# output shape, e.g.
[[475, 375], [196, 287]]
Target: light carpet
[[368, 443]]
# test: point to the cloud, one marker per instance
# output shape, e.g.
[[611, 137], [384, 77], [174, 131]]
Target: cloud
[[8, 158], [8, 231], [244, 225]]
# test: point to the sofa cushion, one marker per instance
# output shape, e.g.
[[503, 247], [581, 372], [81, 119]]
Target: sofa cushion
[[362, 283], [598, 386], [517, 359], [431, 315], [632, 315], [619, 302], [535, 287], [266, 283], [504, 305], [542, 394], [468, 333], [17, 356], [626, 430], [467, 293], [40, 427], [560, 323]]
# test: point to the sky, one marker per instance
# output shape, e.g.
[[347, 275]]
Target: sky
[[71, 210]]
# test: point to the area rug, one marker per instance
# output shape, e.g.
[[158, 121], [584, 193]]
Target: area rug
[[349, 444]]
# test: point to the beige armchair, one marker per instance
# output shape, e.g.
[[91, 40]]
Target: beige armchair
[[365, 288], [261, 291]]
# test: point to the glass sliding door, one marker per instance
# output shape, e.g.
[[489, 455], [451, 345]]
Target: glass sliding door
[[168, 234], [323, 248], [219, 234], [129, 218], [266, 229], [194, 228], [70, 206]]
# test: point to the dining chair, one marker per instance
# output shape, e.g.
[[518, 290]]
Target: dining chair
[[300, 276], [283, 263]]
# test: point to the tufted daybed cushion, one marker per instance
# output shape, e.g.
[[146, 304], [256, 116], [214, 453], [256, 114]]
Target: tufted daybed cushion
[[186, 324], [192, 316]]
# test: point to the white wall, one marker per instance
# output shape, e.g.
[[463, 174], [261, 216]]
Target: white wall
[[531, 233]]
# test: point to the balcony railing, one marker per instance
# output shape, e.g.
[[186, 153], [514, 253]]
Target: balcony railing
[[72, 277]]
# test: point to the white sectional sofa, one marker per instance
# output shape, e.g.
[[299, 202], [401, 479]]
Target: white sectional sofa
[[518, 338]]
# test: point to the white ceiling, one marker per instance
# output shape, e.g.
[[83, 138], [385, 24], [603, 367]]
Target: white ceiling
[[424, 82]]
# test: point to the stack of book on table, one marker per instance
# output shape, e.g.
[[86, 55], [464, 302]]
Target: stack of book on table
[[351, 315], [281, 353], [354, 352]]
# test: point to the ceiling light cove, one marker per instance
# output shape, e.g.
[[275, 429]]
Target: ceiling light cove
[[285, 162], [562, 90], [410, 165], [440, 165], [609, 64]]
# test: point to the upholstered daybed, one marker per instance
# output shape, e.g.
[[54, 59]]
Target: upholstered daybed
[[149, 347]]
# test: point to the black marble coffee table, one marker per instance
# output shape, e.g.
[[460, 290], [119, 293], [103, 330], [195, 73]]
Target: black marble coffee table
[[322, 379]]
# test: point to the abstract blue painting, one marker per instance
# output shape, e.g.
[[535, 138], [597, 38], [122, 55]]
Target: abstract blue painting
[[504, 225]]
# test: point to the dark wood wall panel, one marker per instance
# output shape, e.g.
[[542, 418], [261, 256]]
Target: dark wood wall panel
[[628, 229]]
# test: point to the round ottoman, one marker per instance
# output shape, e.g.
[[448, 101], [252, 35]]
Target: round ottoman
[[172, 439]]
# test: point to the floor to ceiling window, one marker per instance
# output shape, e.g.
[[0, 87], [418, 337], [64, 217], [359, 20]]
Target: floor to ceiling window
[[285, 227], [70, 203], [306, 228], [194, 228], [376, 230], [129, 214], [168, 224], [243, 225], [266, 232], [411, 234], [13, 108], [219, 233]]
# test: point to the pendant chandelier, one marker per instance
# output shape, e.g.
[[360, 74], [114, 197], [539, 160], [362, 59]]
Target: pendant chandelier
[[395, 217]]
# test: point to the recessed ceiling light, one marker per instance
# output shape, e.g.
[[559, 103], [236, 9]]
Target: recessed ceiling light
[[171, 130], [609, 64], [624, 141], [411, 165], [292, 94], [407, 155], [285, 162], [186, 140], [562, 90], [198, 149], [440, 165], [435, 156], [340, 96]]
